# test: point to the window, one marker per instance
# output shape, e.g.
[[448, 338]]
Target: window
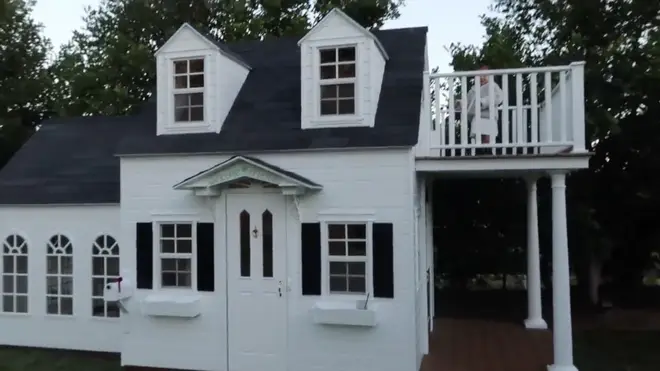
[[105, 269], [347, 258], [15, 275], [189, 90], [59, 276], [337, 78], [176, 255]]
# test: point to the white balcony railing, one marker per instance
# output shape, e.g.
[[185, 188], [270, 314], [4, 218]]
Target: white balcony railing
[[514, 111]]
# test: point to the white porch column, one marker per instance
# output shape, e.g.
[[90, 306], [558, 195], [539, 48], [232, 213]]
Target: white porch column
[[534, 316], [561, 295]]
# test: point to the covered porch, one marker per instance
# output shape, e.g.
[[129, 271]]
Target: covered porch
[[535, 340]]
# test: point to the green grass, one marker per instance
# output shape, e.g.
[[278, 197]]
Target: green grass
[[595, 350], [21, 359], [610, 350]]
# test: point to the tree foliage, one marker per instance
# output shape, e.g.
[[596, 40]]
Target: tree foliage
[[615, 204], [108, 66], [25, 80]]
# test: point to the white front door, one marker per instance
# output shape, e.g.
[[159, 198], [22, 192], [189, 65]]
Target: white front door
[[256, 281]]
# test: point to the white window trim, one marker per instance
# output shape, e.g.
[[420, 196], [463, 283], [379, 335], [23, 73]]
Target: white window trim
[[105, 275], [353, 120], [159, 219], [338, 216], [59, 274], [2, 272], [172, 126]]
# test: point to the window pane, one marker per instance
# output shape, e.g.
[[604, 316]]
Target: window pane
[[267, 243], [21, 284], [346, 90], [180, 82], [196, 81], [245, 243], [346, 107], [21, 264], [181, 114], [346, 54], [168, 265], [337, 268], [167, 230], [336, 231], [66, 265], [183, 280], [328, 72], [168, 279], [180, 67], [196, 99], [328, 91], [8, 264], [52, 305], [21, 304], [66, 285], [184, 230], [346, 70], [337, 248], [328, 56], [356, 284], [98, 307], [167, 246], [98, 268], [184, 246], [356, 268], [183, 265], [112, 266], [181, 100], [197, 114], [97, 286], [52, 264], [328, 107], [7, 284], [337, 284], [66, 306], [112, 310], [357, 230], [7, 303], [357, 248], [197, 65]]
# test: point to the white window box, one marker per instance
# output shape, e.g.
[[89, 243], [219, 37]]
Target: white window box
[[344, 313], [172, 305]]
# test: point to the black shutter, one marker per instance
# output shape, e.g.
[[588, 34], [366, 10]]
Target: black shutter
[[383, 260], [144, 248], [205, 262], [310, 252]]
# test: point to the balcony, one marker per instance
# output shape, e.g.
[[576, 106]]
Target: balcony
[[525, 111]]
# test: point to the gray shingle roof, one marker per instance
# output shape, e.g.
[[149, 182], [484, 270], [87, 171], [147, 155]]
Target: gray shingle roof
[[72, 160]]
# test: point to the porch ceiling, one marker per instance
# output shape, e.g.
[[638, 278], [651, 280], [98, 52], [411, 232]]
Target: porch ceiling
[[244, 167]]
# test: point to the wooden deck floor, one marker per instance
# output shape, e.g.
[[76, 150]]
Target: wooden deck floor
[[486, 345]]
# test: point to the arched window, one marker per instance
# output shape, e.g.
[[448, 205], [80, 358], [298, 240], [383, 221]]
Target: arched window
[[14, 275], [59, 276], [105, 268]]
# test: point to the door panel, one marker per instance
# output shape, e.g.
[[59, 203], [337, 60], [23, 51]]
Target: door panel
[[256, 274]]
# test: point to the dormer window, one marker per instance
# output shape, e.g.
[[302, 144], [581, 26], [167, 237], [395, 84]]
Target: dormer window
[[189, 90], [337, 81]]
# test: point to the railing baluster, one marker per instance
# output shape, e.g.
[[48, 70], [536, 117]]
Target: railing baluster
[[519, 110], [464, 116], [439, 122], [491, 108], [476, 111], [535, 113], [547, 102], [564, 106], [505, 112], [451, 130]]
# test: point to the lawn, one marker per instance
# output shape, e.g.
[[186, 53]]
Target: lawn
[[595, 350]]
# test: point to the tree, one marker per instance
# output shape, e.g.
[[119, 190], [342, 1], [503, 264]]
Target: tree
[[25, 96], [613, 205], [108, 66]]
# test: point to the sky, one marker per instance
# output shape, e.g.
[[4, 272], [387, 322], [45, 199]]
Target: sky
[[448, 21]]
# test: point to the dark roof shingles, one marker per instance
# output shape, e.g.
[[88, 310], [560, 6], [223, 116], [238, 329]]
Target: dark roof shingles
[[72, 160]]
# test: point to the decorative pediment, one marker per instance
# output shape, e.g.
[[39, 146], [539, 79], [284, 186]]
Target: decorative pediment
[[239, 169]]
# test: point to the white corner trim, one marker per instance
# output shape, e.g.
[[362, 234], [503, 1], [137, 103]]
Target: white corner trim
[[175, 216], [347, 215]]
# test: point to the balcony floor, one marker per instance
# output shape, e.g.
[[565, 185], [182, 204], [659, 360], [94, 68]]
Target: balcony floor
[[486, 345]]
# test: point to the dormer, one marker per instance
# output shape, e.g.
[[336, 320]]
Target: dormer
[[342, 67], [197, 80]]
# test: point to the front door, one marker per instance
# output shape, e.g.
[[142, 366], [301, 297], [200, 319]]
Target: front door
[[256, 281]]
